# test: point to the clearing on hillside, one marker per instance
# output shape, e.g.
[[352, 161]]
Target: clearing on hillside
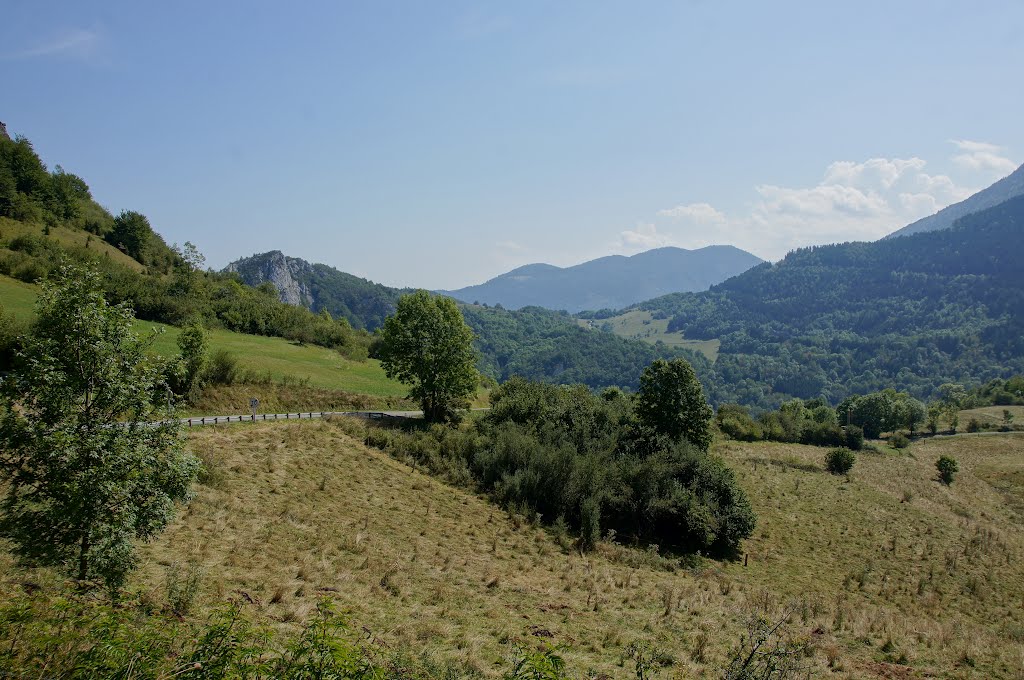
[[641, 325]]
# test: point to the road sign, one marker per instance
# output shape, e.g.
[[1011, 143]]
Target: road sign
[[254, 403]]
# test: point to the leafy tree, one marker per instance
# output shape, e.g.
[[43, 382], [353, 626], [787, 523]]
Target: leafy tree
[[911, 412], [194, 347], [952, 397], [671, 402], [427, 344], [934, 413], [86, 472], [947, 467], [853, 437], [131, 233]]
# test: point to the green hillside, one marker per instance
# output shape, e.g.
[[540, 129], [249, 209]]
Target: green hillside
[[910, 313], [640, 324], [259, 356]]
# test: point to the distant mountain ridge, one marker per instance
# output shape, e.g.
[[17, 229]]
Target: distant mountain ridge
[[363, 303], [1008, 187], [611, 282]]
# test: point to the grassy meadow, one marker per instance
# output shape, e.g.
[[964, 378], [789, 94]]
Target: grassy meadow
[[887, 572], [275, 359], [69, 238], [991, 415], [641, 325]]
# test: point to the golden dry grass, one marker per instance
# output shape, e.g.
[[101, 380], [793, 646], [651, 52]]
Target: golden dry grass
[[895, 574]]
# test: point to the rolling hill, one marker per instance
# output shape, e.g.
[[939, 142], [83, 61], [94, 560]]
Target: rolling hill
[[611, 282]]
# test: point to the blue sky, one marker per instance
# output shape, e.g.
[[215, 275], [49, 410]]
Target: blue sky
[[437, 144]]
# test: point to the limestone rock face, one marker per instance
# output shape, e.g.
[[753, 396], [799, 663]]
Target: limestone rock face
[[286, 273]]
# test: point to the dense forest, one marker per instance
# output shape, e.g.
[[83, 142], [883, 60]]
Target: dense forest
[[910, 313], [548, 346]]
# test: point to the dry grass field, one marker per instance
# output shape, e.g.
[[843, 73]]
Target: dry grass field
[[888, 573]]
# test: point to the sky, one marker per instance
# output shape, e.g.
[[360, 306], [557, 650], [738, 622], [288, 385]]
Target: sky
[[439, 144]]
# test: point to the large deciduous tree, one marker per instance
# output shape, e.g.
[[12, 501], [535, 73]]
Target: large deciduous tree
[[671, 401], [428, 345], [87, 473]]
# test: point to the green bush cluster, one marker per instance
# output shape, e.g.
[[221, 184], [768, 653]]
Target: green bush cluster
[[587, 461], [947, 467], [812, 422], [840, 461]]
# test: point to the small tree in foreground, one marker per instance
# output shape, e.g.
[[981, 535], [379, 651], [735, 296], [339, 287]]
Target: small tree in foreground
[[86, 472], [428, 345], [839, 461], [947, 467]]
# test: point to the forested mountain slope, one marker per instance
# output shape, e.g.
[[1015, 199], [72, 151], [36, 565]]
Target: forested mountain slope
[[548, 346], [610, 282], [910, 313]]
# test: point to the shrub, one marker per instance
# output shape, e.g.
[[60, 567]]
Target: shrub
[[899, 441], [735, 422], [973, 425], [222, 368], [947, 467], [839, 461], [854, 437]]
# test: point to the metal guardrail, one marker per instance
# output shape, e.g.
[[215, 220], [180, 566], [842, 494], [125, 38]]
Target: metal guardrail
[[302, 415]]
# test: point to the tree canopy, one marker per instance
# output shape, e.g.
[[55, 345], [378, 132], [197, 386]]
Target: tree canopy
[[671, 402], [427, 345], [86, 470]]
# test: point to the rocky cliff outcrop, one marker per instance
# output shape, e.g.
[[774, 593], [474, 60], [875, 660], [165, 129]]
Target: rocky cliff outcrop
[[286, 273]]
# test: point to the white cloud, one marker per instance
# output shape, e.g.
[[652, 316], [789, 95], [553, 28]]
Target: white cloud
[[700, 213], [79, 43], [854, 201], [643, 237], [874, 172], [982, 156]]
